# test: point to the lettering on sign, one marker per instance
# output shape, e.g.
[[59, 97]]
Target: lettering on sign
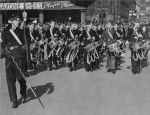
[[8, 6], [21, 6], [36, 5], [28, 6], [61, 4]]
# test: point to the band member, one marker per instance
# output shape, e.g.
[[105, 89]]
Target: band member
[[33, 38], [118, 37], [109, 39], [100, 31], [93, 33], [87, 41], [145, 49], [13, 49], [135, 49], [91, 59], [62, 44], [81, 38], [74, 48], [42, 44], [51, 48]]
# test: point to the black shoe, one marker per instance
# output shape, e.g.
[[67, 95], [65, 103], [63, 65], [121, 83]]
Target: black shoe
[[109, 70], [134, 72], [87, 70], [55, 67], [113, 71], [139, 70], [128, 67], [74, 68], [50, 68], [15, 104], [23, 99], [63, 62], [71, 69], [91, 69]]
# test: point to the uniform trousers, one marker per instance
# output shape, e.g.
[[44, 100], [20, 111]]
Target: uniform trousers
[[52, 59], [135, 63], [111, 60], [13, 74]]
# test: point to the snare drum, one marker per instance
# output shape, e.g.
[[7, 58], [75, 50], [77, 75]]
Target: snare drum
[[33, 46]]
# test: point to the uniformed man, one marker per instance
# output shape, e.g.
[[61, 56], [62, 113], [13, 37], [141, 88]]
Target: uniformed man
[[33, 37], [13, 49], [135, 49], [109, 38], [73, 36], [146, 38], [91, 37], [52, 58], [87, 41], [62, 43]]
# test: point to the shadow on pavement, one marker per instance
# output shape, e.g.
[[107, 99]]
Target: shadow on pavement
[[39, 91]]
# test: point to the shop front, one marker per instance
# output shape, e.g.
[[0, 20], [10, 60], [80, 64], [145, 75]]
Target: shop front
[[61, 11]]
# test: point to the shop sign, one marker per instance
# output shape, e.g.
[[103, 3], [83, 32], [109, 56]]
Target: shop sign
[[57, 4], [36, 5]]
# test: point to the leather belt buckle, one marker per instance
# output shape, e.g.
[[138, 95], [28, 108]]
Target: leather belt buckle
[[11, 48]]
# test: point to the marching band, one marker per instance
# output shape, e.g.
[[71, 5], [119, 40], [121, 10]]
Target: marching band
[[27, 45], [75, 44]]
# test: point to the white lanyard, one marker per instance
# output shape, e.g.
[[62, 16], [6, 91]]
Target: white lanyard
[[117, 34], [110, 34], [15, 36], [71, 33], [51, 33], [88, 34], [32, 38]]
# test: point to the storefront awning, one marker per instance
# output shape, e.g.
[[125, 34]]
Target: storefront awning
[[6, 1], [49, 5]]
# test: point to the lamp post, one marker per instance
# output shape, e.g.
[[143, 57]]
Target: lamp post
[[24, 15], [101, 10], [98, 14]]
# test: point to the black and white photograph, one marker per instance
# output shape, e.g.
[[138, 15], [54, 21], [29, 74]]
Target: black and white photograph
[[74, 57]]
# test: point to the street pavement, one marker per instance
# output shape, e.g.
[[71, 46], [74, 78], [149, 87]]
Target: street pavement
[[82, 93]]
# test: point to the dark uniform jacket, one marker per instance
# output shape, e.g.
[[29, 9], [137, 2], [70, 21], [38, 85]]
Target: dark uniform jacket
[[94, 35], [9, 42], [106, 37]]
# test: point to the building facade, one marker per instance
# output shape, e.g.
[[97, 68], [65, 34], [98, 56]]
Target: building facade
[[113, 9], [62, 10], [46, 10]]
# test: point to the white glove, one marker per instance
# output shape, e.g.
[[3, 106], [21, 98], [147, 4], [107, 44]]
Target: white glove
[[104, 44]]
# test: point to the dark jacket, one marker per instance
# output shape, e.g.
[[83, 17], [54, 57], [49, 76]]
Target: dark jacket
[[9, 42]]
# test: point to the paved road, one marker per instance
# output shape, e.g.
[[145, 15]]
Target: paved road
[[83, 93]]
